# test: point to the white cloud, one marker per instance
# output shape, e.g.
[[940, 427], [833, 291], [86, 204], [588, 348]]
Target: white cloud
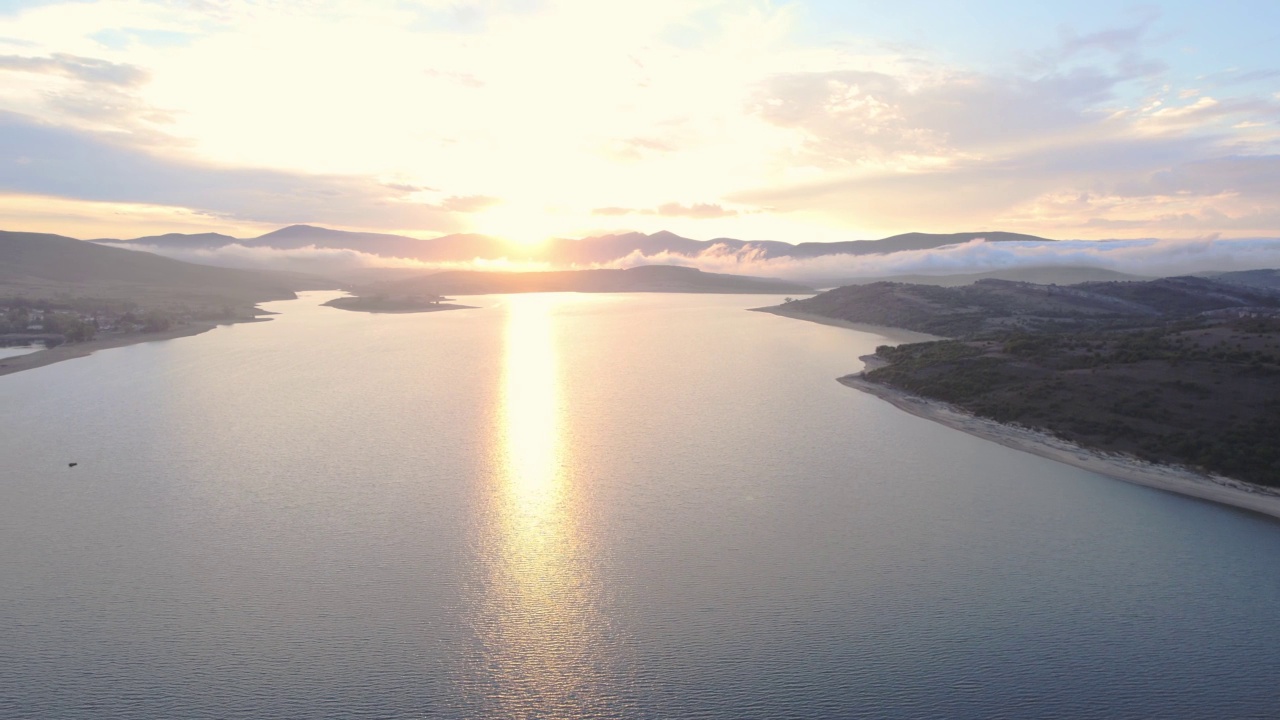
[[1138, 257], [319, 260], [528, 116]]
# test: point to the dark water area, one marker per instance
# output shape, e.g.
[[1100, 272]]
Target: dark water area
[[584, 506]]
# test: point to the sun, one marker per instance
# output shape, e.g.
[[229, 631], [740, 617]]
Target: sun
[[521, 224]]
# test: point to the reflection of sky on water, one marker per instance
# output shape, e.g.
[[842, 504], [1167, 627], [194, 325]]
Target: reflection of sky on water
[[16, 350]]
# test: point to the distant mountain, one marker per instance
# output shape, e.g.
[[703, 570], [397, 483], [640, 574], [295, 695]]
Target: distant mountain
[[1047, 275], [199, 241], [600, 249], [460, 247], [448, 247], [1252, 278], [906, 241], [993, 305], [37, 264], [604, 248], [607, 248], [650, 278]]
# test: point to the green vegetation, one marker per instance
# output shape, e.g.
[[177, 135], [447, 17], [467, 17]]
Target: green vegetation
[[1203, 395], [1179, 370], [69, 319], [998, 306]]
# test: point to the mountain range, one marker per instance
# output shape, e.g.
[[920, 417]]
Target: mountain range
[[599, 249]]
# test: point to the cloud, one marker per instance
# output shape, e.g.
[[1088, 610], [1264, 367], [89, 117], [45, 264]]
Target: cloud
[[936, 147], [852, 117], [40, 159], [321, 260], [281, 113], [1138, 257], [469, 203], [696, 210], [89, 70], [700, 211], [409, 188], [1148, 257]]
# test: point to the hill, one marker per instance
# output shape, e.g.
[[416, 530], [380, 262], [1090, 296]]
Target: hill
[[599, 249], [1045, 275], [42, 265], [1251, 278], [197, 241], [999, 305], [906, 241], [1179, 370], [652, 278]]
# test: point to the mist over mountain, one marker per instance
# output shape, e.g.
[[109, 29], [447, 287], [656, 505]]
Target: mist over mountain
[[365, 257], [600, 249], [935, 258], [41, 265], [183, 240]]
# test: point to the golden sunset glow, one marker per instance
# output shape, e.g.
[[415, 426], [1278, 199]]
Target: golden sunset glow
[[804, 121], [524, 225], [541, 617]]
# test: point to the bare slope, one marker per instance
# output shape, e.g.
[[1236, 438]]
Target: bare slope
[[39, 265]]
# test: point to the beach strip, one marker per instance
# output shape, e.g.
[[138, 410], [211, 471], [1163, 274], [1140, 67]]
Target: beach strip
[[68, 351], [1170, 478]]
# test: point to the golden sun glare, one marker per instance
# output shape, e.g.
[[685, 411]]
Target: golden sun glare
[[525, 226]]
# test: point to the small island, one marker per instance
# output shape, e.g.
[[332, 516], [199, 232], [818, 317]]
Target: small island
[[395, 303]]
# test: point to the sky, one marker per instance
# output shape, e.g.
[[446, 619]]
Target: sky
[[795, 121]]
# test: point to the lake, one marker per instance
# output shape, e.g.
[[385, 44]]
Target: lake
[[584, 506], [16, 350]]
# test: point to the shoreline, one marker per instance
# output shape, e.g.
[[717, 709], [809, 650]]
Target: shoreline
[[900, 335], [1170, 478], [70, 351]]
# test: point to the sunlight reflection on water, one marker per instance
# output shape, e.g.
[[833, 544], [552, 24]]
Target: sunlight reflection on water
[[540, 622], [560, 506]]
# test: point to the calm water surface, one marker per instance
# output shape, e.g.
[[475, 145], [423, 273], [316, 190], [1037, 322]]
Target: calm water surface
[[584, 506], [16, 350]]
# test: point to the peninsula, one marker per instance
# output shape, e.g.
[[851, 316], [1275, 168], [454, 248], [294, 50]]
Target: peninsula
[[74, 297], [1173, 383]]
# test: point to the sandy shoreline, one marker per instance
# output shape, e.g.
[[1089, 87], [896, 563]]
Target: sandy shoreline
[[898, 335], [1182, 481], [68, 351], [1170, 478]]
